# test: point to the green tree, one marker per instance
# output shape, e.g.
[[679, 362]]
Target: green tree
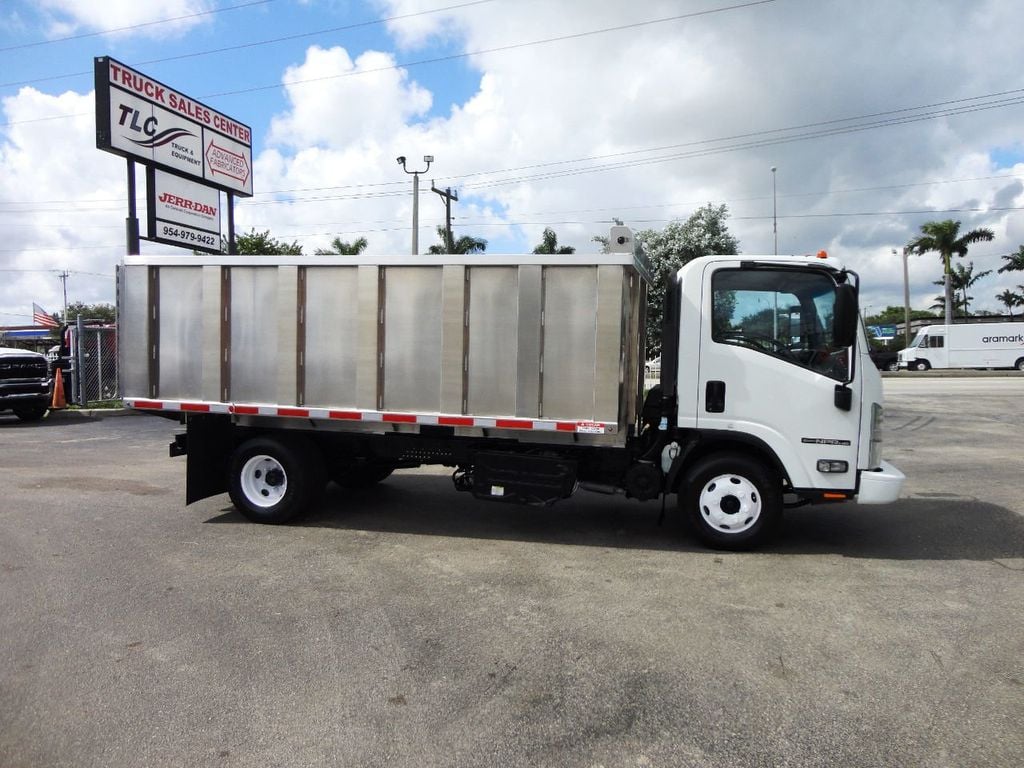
[[104, 313], [261, 243], [962, 279], [341, 247], [1010, 299], [463, 245], [944, 238], [1014, 262], [703, 234], [549, 244], [894, 315]]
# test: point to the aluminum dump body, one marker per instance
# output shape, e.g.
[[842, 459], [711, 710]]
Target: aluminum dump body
[[484, 344]]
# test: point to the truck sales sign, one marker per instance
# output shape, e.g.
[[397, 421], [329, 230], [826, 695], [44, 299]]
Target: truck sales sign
[[138, 117]]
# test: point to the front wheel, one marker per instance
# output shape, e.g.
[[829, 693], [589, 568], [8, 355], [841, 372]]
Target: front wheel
[[733, 502], [1019, 365], [921, 365], [33, 412], [273, 479]]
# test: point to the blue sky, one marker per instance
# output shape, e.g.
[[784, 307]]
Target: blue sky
[[640, 111]]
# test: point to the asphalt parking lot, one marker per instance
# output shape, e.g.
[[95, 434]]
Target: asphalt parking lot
[[408, 625]]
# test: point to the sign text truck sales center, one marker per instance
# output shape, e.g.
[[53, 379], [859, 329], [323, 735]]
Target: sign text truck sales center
[[201, 150]]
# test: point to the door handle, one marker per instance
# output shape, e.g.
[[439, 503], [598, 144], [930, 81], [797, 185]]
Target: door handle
[[714, 397]]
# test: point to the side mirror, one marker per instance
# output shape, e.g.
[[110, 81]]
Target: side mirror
[[844, 322]]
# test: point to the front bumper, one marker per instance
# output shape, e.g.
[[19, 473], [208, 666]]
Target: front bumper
[[880, 486]]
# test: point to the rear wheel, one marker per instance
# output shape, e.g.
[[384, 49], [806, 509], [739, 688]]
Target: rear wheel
[[273, 479], [732, 501], [893, 366], [1019, 365]]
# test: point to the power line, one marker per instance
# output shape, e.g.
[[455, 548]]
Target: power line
[[498, 49], [258, 43], [451, 57], [546, 222], [134, 26]]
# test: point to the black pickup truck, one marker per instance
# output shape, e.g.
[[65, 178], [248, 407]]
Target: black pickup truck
[[25, 383], [885, 359]]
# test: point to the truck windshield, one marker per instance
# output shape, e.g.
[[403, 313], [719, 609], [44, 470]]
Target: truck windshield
[[917, 340], [785, 313]]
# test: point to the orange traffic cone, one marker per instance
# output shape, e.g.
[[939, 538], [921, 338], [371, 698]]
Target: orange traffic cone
[[58, 391]]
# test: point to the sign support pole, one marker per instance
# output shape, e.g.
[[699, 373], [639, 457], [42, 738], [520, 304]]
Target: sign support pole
[[232, 246], [132, 222]]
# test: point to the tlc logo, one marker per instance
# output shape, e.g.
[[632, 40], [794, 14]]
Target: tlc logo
[[148, 126]]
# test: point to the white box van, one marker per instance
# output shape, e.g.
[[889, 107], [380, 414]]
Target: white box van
[[966, 345]]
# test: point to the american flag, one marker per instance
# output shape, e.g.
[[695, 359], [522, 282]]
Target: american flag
[[41, 317]]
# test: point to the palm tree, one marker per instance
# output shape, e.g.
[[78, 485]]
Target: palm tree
[[549, 244], [341, 247], [464, 244], [1014, 262], [941, 236], [963, 278], [1010, 299]]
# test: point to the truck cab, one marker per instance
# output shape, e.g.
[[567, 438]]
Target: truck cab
[[774, 366]]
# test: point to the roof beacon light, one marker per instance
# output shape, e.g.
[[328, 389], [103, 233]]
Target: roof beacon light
[[822, 254]]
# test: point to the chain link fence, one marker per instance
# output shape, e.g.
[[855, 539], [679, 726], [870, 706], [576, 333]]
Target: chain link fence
[[93, 364]]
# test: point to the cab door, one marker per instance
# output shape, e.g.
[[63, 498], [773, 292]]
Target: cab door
[[768, 369]]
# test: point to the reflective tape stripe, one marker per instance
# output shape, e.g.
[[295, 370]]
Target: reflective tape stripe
[[374, 417]]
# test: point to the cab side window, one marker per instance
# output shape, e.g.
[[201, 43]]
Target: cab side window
[[784, 313]]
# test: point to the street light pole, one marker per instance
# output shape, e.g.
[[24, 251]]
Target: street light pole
[[428, 159], [906, 298], [775, 218]]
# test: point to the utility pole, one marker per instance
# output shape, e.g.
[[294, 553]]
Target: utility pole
[[775, 218], [63, 277], [447, 195], [428, 159]]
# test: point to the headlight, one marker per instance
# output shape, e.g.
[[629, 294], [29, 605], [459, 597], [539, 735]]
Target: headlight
[[875, 437]]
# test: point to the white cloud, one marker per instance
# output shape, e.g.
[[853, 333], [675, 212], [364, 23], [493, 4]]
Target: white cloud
[[697, 87], [67, 17], [60, 208]]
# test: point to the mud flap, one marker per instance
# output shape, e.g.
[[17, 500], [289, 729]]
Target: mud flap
[[209, 443]]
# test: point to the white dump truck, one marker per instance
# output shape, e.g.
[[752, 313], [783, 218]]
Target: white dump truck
[[524, 374], [966, 345]]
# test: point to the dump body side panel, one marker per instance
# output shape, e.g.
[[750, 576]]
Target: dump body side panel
[[500, 343]]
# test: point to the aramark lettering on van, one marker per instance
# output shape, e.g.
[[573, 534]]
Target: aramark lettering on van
[[1018, 339]]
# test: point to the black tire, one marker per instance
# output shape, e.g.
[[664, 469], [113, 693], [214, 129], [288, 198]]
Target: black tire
[[893, 366], [362, 475], [33, 412], [731, 501], [921, 365], [274, 479], [1019, 365]]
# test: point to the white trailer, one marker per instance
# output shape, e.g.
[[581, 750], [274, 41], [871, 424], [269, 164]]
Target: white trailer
[[966, 345], [525, 374]]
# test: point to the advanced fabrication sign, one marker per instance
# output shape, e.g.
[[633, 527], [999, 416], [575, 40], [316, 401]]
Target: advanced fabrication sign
[[138, 117], [183, 212]]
